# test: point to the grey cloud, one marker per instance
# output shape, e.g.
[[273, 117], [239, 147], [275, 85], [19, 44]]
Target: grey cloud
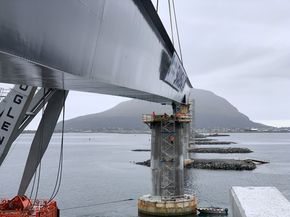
[[239, 49]]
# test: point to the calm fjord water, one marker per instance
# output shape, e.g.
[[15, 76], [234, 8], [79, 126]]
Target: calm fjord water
[[98, 168]]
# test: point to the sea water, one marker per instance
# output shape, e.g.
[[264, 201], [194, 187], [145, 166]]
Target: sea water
[[99, 171]]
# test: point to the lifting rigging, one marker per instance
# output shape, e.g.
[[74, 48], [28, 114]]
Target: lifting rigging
[[52, 102], [27, 105]]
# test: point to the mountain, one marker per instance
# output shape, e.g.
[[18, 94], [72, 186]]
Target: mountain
[[211, 111]]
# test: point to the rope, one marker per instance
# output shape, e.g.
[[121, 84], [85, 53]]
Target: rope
[[176, 26], [157, 5], [97, 204], [169, 7], [60, 162]]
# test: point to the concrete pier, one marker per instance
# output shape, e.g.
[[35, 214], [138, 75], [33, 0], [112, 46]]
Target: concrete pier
[[258, 202], [156, 206], [186, 137], [167, 158], [169, 133]]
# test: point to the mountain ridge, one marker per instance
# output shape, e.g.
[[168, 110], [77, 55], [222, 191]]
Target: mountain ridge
[[211, 111]]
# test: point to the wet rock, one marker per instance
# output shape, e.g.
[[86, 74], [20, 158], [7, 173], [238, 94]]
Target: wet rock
[[215, 164], [141, 150], [217, 135], [220, 150], [212, 143], [222, 164], [146, 163]]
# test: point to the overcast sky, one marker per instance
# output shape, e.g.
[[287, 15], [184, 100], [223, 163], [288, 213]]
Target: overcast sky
[[239, 49]]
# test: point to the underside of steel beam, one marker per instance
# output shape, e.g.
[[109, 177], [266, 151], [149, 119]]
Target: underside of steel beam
[[106, 46]]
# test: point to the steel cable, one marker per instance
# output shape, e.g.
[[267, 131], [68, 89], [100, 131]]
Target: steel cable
[[157, 5], [97, 204], [176, 26], [60, 162], [171, 27]]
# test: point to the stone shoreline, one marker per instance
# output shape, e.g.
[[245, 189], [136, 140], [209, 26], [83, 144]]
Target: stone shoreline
[[211, 143], [209, 150], [203, 140], [215, 164], [222, 164], [141, 150], [217, 135], [220, 150]]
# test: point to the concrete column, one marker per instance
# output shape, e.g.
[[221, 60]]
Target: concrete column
[[155, 158], [167, 171], [186, 137], [179, 162], [192, 127], [169, 138]]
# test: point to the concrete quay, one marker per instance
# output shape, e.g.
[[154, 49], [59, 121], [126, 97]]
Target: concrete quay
[[258, 202]]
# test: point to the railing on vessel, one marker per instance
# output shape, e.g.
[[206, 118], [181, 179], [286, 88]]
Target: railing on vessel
[[181, 117], [21, 206], [3, 93]]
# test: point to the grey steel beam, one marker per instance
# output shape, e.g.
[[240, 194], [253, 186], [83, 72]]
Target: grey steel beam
[[38, 102], [34, 106], [42, 137], [102, 46], [16, 104], [2, 107], [3, 94]]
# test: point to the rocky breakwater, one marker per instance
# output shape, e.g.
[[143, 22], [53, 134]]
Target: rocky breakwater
[[202, 142], [221, 164], [220, 150], [214, 164]]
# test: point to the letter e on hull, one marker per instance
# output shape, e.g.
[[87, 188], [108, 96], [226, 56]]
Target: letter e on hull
[[17, 102]]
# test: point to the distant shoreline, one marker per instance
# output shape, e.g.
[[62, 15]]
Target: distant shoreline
[[145, 131], [119, 132]]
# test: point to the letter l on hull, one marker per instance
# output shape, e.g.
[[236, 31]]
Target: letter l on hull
[[14, 108]]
